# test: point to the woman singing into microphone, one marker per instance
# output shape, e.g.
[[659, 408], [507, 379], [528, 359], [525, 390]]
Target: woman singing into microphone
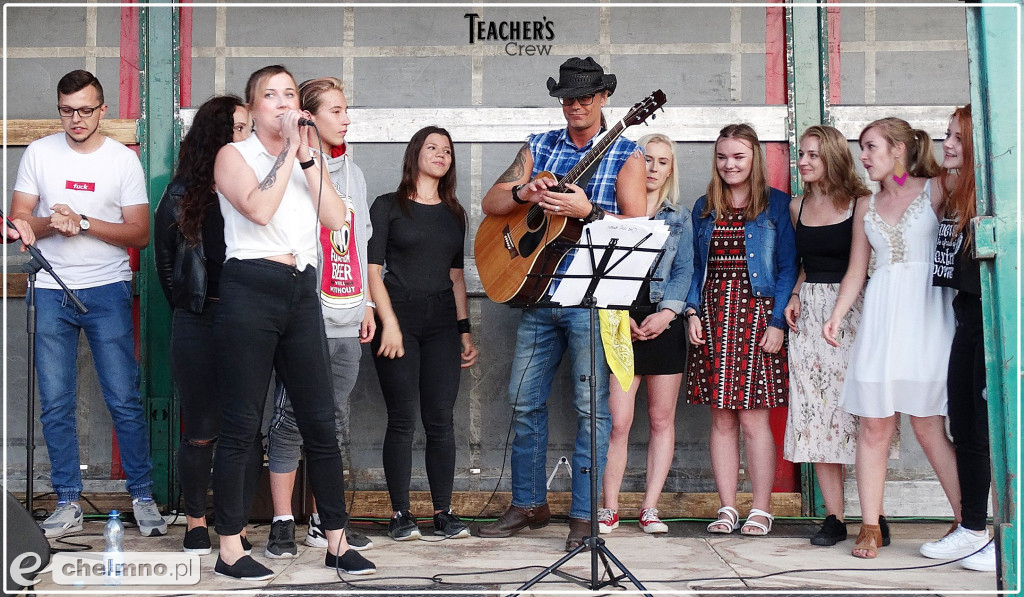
[[274, 196]]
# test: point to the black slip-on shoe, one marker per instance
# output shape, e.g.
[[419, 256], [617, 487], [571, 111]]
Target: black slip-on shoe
[[245, 568]]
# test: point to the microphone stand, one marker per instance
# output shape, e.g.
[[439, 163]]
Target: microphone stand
[[31, 267]]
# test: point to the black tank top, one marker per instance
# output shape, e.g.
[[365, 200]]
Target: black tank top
[[824, 251]]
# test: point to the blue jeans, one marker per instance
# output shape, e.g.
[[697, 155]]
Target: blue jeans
[[542, 339], [109, 330]]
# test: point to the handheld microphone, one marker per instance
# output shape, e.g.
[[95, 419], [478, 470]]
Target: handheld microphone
[[306, 122]]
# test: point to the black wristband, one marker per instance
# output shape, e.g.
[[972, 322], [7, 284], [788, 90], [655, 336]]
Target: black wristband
[[515, 195], [308, 165], [596, 213], [464, 327]]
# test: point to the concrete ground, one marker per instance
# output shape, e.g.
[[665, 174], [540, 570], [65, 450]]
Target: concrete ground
[[686, 559]]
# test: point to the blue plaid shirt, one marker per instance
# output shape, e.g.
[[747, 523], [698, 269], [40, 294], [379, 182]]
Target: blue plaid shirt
[[554, 152]]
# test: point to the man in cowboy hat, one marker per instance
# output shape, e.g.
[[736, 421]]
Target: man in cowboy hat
[[616, 188]]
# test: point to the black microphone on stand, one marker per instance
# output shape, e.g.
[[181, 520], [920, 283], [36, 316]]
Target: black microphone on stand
[[43, 264]]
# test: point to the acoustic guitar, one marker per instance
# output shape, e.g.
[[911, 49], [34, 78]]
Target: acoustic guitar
[[517, 252]]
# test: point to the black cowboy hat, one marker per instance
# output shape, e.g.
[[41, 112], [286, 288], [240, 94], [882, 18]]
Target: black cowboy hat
[[580, 76]]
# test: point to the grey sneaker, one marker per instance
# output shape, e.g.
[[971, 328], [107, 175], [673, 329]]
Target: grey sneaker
[[151, 523], [66, 519]]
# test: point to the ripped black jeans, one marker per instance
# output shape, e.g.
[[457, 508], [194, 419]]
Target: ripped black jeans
[[194, 370]]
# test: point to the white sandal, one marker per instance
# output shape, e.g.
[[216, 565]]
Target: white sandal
[[728, 517], [762, 528]]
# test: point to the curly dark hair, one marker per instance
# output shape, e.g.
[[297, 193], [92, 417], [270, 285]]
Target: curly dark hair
[[411, 170], [211, 129]]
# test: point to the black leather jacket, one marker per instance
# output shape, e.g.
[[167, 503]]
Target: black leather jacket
[[180, 267]]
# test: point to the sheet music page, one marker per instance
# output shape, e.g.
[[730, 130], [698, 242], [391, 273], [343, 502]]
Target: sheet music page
[[636, 264]]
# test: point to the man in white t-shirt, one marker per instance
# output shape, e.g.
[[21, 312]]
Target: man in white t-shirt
[[84, 195]]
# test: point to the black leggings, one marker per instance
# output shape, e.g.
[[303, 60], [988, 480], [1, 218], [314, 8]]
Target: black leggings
[[194, 365], [270, 320], [427, 377], [968, 410]]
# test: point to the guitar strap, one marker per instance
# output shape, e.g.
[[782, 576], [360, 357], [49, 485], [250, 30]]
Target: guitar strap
[[589, 172]]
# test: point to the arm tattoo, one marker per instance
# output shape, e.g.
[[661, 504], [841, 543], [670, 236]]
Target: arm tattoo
[[518, 167], [271, 177]]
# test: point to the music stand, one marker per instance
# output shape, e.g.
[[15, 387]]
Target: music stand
[[599, 551]]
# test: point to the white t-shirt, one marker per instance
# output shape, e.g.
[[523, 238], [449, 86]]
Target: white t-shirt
[[293, 230], [97, 185]]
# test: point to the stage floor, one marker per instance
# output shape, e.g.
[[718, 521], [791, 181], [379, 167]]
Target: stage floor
[[687, 559]]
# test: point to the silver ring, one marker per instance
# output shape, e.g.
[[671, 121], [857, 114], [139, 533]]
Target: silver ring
[[557, 208]]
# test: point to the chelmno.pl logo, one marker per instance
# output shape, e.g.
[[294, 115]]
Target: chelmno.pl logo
[[112, 568], [517, 35]]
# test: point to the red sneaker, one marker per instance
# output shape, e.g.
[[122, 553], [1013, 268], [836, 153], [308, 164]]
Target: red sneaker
[[650, 522], [607, 520]]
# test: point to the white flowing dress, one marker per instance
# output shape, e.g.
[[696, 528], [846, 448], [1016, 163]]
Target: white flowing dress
[[899, 359]]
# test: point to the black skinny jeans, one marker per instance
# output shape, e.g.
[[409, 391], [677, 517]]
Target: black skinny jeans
[[968, 410], [194, 365], [427, 377], [270, 320]]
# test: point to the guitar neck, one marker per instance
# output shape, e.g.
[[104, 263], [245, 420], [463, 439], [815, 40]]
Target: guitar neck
[[594, 155]]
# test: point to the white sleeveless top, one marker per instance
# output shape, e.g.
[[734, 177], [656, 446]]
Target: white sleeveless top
[[293, 230]]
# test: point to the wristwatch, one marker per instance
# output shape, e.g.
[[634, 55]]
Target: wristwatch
[[84, 222]]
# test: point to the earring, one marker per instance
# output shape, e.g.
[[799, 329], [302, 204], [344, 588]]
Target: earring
[[900, 175]]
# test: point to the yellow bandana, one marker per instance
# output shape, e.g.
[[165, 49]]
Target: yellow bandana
[[618, 345]]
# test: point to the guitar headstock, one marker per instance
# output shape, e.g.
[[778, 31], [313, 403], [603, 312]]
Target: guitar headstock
[[645, 108]]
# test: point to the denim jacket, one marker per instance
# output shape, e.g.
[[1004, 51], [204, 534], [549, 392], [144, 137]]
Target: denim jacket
[[676, 267], [771, 254]]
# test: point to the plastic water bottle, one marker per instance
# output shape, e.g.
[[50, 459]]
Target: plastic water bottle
[[113, 535]]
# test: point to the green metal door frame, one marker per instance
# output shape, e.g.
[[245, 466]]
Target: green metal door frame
[[993, 42], [807, 83], [158, 136]]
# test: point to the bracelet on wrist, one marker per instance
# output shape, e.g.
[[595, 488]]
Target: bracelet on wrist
[[307, 165], [596, 213], [464, 327], [371, 305], [515, 194]]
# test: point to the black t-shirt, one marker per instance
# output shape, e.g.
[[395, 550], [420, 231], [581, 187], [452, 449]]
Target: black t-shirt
[[953, 266], [417, 246]]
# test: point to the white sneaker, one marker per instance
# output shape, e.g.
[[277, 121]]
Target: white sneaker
[[983, 561], [961, 542]]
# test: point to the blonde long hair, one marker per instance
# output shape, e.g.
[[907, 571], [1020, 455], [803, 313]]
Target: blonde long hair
[[840, 182], [669, 192], [718, 192]]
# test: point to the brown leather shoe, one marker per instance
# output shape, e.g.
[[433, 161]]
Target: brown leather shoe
[[516, 519], [579, 529]]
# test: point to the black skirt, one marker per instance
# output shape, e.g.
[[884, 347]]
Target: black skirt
[[664, 355]]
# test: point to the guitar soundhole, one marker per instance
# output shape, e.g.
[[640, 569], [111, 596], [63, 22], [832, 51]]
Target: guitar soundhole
[[534, 218]]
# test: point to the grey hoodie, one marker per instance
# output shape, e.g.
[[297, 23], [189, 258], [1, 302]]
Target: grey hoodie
[[342, 321]]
